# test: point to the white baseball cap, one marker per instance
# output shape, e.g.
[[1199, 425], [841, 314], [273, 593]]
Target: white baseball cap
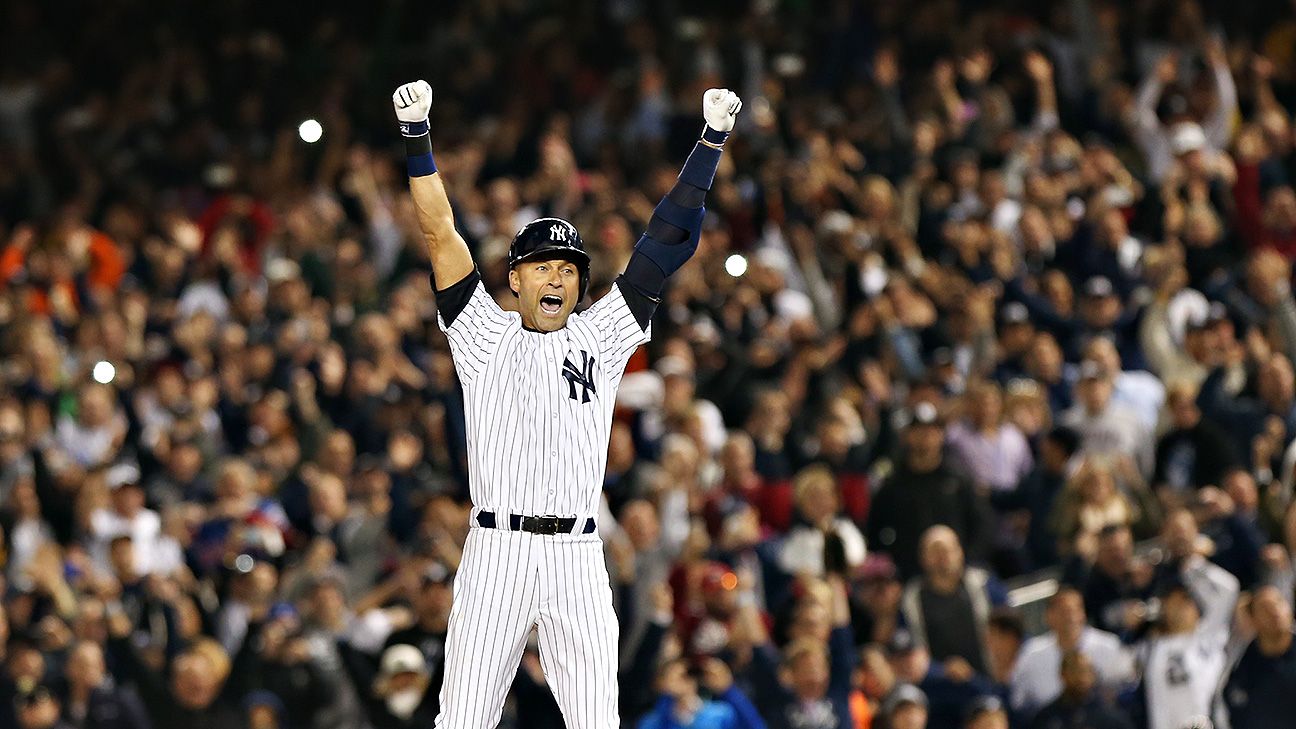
[[402, 658], [1187, 137]]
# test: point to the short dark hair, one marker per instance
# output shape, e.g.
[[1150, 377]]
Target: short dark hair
[[1068, 439]]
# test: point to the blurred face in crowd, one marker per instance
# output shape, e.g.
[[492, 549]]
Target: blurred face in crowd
[[1096, 484], [1065, 615], [738, 456], [128, 500], [811, 622], [806, 669], [195, 680], [1180, 534], [1180, 612], [941, 554], [1103, 351], [547, 292], [816, 493], [1271, 613], [925, 441], [434, 601], [38, 711], [996, 719], [1095, 393], [1100, 312], [95, 406], [1115, 551], [1280, 209], [675, 681], [639, 520], [1058, 291], [1044, 361], [911, 666], [909, 716], [1240, 486], [1077, 672], [85, 665], [987, 405]]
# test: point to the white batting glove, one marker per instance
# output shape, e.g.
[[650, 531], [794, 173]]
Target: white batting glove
[[412, 102], [720, 107]]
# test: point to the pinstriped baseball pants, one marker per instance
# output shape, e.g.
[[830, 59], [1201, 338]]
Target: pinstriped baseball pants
[[509, 582]]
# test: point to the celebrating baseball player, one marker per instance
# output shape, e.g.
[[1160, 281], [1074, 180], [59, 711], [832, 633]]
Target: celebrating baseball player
[[539, 388]]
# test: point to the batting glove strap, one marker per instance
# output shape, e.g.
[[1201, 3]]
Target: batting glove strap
[[418, 148]]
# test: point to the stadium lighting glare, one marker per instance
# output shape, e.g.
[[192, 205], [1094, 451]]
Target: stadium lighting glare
[[736, 265], [310, 131], [104, 372]]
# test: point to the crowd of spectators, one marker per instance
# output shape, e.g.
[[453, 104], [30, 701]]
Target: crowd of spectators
[[985, 289]]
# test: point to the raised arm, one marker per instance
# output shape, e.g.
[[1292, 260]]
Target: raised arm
[[451, 259], [673, 231]]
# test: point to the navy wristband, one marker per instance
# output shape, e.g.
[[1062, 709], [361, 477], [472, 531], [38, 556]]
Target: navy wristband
[[414, 129], [714, 137]]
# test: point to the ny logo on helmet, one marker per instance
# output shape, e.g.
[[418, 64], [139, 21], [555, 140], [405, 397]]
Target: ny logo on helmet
[[558, 232]]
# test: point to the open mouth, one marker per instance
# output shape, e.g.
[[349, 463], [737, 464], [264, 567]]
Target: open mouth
[[551, 304]]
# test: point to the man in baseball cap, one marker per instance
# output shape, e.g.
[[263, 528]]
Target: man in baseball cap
[[400, 691]]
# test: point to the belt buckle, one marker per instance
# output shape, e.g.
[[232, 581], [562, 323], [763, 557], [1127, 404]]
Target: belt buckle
[[544, 525]]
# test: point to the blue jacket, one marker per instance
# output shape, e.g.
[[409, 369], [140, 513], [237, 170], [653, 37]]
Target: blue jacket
[[731, 711]]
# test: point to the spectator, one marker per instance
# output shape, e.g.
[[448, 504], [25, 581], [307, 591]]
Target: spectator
[[1039, 492], [948, 607], [400, 695], [1260, 690], [36, 707], [1195, 452], [1107, 428], [92, 700], [993, 452], [681, 706], [818, 505], [1035, 681], [986, 712], [923, 491], [1117, 583], [905, 708], [950, 688], [809, 685], [1080, 703]]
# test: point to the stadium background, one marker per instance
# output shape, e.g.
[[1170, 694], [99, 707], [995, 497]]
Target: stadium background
[[1022, 270]]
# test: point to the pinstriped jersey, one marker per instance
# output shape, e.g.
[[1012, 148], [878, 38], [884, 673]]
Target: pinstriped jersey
[[539, 405]]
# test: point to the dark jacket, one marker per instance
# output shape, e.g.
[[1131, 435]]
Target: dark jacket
[[109, 707], [908, 503], [783, 710], [1089, 714], [1261, 690]]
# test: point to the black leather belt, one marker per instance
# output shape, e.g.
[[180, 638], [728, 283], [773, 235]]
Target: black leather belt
[[534, 524]]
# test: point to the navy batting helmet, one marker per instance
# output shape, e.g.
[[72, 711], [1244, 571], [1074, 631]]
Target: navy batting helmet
[[547, 238]]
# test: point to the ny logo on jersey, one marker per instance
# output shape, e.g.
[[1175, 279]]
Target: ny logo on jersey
[[582, 375], [558, 232]]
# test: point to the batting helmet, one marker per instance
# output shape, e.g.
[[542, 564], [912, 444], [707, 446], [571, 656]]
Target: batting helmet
[[546, 238]]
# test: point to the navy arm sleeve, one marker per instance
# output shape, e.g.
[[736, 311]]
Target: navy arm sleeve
[[673, 231], [453, 299]]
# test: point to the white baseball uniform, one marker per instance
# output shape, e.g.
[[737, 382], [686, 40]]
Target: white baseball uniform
[[539, 411]]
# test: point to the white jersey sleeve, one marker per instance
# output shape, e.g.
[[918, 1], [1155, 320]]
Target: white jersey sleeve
[[475, 333], [616, 329]]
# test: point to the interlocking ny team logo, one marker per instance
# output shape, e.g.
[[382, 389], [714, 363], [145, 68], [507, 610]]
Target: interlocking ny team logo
[[558, 232], [582, 375]]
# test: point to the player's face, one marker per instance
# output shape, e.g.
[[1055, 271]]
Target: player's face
[[547, 292]]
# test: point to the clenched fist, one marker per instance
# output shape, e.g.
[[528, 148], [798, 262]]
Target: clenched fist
[[412, 102], [720, 107]]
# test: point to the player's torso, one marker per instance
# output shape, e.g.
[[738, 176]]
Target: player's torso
[[1181, 674], [538, 420]]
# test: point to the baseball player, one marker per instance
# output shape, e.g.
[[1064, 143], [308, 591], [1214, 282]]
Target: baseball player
[[539, 388]]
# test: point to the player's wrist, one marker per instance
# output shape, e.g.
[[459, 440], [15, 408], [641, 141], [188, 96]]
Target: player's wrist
[[713, 138], [418, 148]]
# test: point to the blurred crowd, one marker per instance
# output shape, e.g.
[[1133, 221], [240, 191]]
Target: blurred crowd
[[988, 293]]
